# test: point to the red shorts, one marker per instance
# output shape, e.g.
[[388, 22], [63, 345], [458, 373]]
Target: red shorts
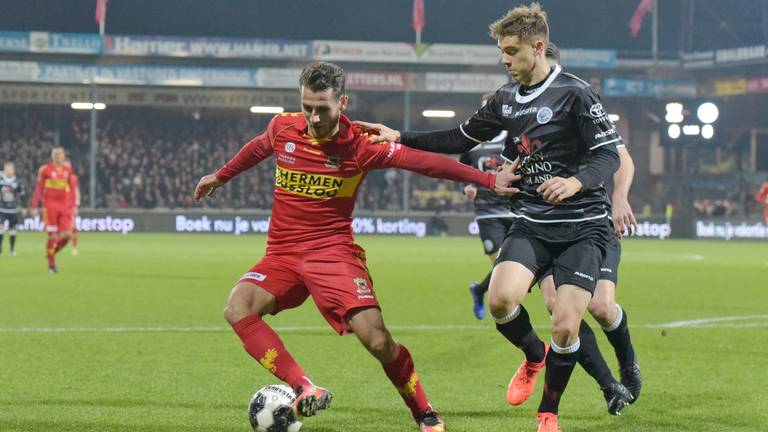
[[336, 278], [57, 219]]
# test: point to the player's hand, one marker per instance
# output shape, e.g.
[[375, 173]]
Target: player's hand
[[558, 189], [470, 191], [623, 218], [207, 186], [381, 133], [506, 176]]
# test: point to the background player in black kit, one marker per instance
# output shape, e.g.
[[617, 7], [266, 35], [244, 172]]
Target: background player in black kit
[[11, 192], [491, 210], [561, 134]]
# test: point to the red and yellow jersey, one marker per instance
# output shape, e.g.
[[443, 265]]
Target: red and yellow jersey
[[316, 180], [54, 185]]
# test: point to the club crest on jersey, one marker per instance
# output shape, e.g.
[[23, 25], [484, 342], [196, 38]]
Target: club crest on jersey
[[362, 285], [544, 115], [290, 147], [333, 162]]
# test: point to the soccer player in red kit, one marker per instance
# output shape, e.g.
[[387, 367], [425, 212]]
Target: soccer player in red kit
[[74, 205], [54, 186], [321, 159], [762, 198]]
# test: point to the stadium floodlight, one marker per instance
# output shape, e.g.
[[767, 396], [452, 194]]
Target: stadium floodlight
[[707, 112], [707, 131], [674, 131], [267, 109], [439, 113], [88, 106], [674, 112], [614, 117], [691, 130]]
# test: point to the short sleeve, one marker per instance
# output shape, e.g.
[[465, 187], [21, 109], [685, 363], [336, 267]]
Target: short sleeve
[[595, 128]]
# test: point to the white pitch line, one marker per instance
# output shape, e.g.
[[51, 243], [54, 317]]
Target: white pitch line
[[713, 322], [703, 321]]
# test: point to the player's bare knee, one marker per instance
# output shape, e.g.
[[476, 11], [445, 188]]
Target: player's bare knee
[[501, 307], [382, 346], [247, 299], [564, 333], [602, 310], [502, 300]]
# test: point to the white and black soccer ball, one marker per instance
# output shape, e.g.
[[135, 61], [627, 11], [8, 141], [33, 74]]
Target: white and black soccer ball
[[271, 409]]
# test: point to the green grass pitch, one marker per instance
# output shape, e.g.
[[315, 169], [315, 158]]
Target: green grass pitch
[[130, 337]]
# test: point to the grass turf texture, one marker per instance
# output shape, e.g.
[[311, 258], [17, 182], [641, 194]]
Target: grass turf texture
[[186, 371]]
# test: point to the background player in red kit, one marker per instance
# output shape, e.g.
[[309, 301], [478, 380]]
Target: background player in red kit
[[54, 185], [321, 159], [762, 198], [74, 205]]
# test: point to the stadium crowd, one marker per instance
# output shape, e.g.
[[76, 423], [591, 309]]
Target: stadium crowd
[[154, 159]]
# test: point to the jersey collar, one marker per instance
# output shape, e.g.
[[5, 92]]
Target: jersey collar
[[527, 98]]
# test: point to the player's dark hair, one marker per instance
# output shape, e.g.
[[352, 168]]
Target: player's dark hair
[[526, 22], [320, 76], [553, 52]]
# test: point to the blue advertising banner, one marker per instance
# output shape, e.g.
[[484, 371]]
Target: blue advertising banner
[[14, 41], [588, 58], [74, 43], [649, 87], [207, 47]]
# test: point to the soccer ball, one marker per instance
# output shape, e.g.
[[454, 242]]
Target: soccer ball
[[271, 409]]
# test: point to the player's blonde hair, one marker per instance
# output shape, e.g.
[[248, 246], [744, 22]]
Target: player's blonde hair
[[529, 23]]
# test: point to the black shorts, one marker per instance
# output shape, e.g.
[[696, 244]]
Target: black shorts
[[12, 218], [609, 269], [573, 250], [492, 232]]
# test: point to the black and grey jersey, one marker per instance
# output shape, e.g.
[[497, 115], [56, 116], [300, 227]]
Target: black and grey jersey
[[11, 193], [487, 157], [556, 129]]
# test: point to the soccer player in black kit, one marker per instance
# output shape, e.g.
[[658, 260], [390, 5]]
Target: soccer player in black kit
[[566, 145], [603, 307], [491, 210], [11, 191]]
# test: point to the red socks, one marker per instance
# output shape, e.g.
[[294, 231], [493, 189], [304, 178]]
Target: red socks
[[403, 375], [263, 344], [61, 243]]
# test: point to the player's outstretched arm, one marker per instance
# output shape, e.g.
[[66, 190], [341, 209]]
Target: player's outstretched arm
[[253, 152], [441, 167], [449, 141], [623, 218], [207, 186], [379, 132]]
